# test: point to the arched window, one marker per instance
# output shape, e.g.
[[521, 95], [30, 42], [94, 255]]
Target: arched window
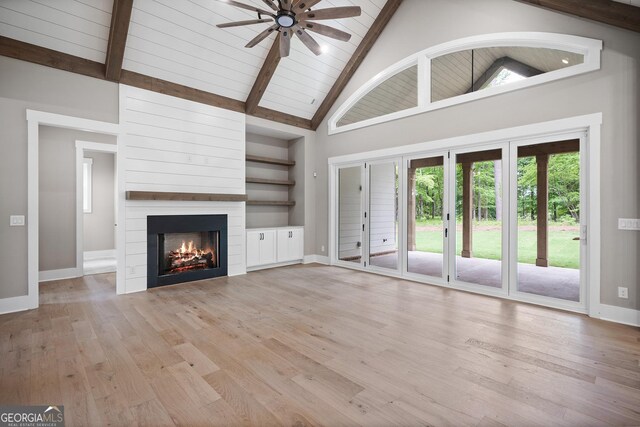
[[465, 70]]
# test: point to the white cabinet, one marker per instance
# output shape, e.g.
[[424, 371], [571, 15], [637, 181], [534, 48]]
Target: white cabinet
[[261, 247], [290, 244], [274, 245]]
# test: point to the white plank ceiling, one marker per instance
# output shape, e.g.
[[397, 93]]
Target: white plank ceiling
[[178, 41], [302, 80], [76, 27]]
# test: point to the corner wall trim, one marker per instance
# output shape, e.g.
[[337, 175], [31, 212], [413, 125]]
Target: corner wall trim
[[612, 313], [316, 259]]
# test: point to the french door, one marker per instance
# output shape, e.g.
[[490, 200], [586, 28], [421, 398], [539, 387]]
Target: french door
[[506, 219]]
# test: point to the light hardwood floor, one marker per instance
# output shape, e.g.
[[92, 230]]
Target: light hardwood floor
[[314, 345]]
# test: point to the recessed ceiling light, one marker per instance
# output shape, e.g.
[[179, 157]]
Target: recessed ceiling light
[[324, 48], [565, 61]]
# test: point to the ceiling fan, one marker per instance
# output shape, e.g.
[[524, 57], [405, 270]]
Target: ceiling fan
[[294, 17]]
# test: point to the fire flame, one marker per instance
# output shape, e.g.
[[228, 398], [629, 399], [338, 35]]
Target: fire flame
[[191, 250]]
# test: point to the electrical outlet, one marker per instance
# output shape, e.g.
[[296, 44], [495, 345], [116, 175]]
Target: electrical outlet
[[322, 248], [623, 292]]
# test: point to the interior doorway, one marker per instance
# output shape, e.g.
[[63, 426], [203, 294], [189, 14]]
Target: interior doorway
[[96, 207]]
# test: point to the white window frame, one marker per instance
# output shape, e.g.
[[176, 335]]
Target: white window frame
[[87, 185], [590, 48]]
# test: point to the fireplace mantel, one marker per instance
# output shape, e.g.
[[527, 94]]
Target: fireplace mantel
[[199, 197]]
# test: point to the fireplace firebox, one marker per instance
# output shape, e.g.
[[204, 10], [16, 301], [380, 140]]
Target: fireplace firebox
[[183, 248]]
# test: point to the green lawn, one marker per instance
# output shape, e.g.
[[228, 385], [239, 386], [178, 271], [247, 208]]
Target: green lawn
[[563, 250]]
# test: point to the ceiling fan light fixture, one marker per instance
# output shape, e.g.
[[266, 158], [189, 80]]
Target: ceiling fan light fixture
[[295, 15], [286, 19]]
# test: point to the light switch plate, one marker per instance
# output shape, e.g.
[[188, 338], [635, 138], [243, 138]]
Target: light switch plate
[[16, 220], [628, 224]]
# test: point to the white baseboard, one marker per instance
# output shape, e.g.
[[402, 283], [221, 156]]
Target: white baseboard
[[14, 304], [91, 255], [277, 264], [317, 259], [64, 273], [626, 316]]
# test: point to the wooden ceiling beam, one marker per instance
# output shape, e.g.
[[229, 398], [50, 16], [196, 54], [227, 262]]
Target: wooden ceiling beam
[[358, 56], [606, 11], [154, 84], [277, 116], [120, 19], [264, 77], [50, 58]]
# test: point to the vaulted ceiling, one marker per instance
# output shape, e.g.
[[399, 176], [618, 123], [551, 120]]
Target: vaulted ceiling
[[175, 47]]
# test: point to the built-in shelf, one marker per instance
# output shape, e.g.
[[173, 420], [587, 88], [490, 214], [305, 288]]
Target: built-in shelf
[[270, 203], [270, 181], [270, 160], [199, 197]]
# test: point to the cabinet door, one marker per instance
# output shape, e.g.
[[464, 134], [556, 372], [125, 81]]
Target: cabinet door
[[253, 248], [296, 244], [268, 247], [283, 245]]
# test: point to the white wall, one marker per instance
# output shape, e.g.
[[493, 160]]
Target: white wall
[[175, 145], [382, 211], [614, 90]]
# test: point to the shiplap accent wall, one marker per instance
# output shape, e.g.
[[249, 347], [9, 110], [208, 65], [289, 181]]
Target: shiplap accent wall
[[382, 213], [171, 144], [79, 28]]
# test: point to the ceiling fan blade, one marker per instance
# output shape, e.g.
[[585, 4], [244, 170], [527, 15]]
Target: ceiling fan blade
[[325, 30], [263, 35], [302, 5], [247, 7], [307, 40], [331, 13], [270, 4], [240, 23], [285, 42], [286, 4]]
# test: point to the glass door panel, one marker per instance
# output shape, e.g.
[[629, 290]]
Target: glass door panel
[[478, 218], [350, 214], [425, 216], [548, 220], [383, 215]]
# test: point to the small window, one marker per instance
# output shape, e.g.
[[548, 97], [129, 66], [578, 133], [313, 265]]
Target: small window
[[473, 70], [398, 92], [87, 183]]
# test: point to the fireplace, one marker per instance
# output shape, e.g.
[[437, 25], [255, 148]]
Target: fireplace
[[183, 248]]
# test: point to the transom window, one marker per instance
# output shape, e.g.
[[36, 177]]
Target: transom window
[[465, 70]]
